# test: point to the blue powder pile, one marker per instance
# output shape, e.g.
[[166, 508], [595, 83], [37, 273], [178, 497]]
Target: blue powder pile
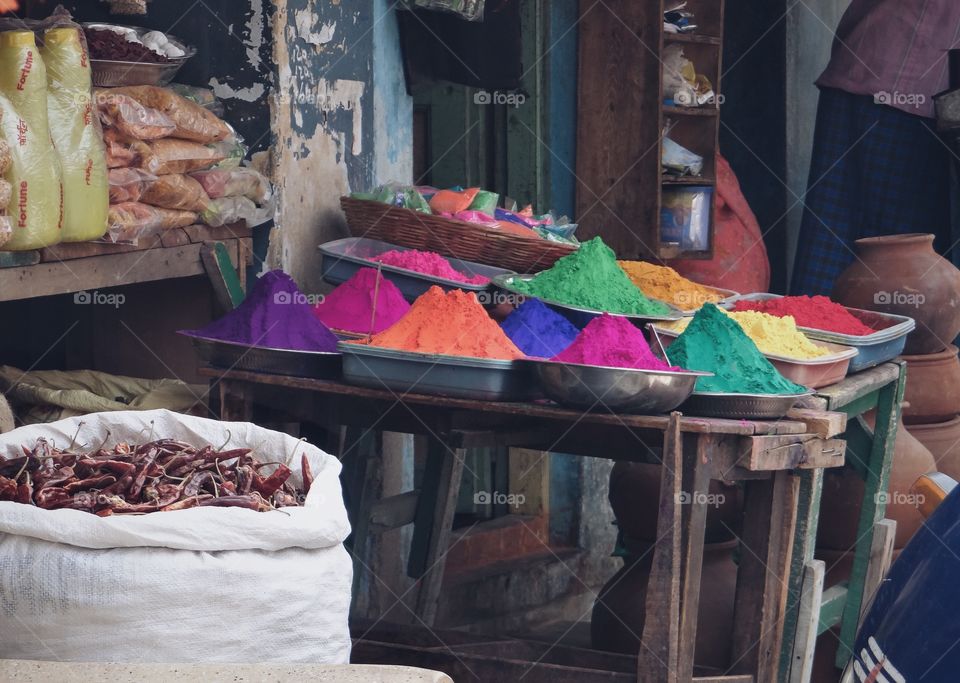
[[539, 331]]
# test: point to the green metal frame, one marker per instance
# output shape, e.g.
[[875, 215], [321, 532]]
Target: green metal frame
[[841, 604]]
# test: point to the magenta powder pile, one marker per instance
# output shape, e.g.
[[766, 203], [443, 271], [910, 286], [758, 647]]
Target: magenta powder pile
[[428, 263], [350, 306], [614, 342], [275, 315]]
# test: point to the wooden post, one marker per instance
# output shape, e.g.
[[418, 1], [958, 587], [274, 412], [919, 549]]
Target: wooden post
[[800, 668]]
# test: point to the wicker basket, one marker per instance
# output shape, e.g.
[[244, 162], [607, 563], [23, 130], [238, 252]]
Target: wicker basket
[[450, 237]]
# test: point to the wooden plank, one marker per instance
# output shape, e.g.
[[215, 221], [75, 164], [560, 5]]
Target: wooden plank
[[18, 259], [801, 666], [174, 238], [881, 556], [659, 643], [860, 384], [219, 265], [824, 424], [832, 606], [68, 251], [788, 452], [206, 233], [766, 548], [394, 511], [695, 486]]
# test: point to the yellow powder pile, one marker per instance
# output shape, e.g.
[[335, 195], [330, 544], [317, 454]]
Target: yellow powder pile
[[666, 284], [772, 335]]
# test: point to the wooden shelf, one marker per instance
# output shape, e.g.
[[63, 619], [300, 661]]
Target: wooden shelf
[[85, 266], [674, 110], [687, 180], [690, 38]]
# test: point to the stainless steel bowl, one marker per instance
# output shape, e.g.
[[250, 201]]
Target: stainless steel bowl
[[110, 74], [615, 389]]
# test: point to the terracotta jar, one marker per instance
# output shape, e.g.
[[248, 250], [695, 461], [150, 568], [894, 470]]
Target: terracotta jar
[[902, 274], [942, 439], [635, 495], [843, 493], [933, 387], [619, 612]]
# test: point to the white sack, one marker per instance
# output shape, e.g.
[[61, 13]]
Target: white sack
[[197, 585]]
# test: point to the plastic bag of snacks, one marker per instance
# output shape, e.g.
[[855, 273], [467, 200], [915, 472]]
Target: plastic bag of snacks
[[126, 184], [175, 191], [171, 155], [237, 182], [130, 221], [6, 230], [75, 129], [202, 96], [227, 210], [132, 119], [192, 121]]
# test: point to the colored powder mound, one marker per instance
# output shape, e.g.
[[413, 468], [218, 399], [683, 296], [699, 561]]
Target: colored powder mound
[[714, 342], [666, 284], [350, 306], [772, 335], [428, 263], [538, 330], [453, 324], [614, 342], [275, 314], [591, 278], [816, 312]]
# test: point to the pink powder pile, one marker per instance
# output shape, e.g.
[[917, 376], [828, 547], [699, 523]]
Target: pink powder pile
[[350, 306], [428, 263], [614, 342]]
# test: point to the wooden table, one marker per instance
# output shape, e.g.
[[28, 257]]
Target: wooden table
[[771, 458]]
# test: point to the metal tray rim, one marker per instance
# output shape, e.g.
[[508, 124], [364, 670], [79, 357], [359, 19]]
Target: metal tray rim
[[224, 342], [189, 50], [670, 373], [348, 347]]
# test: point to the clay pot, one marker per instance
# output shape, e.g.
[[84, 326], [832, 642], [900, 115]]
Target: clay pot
[[933, 387], [942, 439], [619, 612], [902, 274], [843, 493], [635, 495]]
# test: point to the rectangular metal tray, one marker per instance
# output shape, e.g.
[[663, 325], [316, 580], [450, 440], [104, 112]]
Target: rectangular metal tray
[[481, 379], [883, 345], [344, 257], [233, 356]]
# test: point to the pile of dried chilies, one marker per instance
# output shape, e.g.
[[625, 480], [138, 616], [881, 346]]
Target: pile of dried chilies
[[152, 477]]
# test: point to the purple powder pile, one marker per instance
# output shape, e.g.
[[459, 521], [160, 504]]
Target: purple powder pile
[[538, 330], [276, 315]]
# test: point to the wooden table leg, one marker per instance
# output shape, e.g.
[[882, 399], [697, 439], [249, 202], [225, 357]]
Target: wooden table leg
[[432, 524], [236, 401], [802, 646], [770, 514], [659, 643]]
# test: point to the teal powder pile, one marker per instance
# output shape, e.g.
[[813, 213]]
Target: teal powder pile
[[591, 278], [714, 342]]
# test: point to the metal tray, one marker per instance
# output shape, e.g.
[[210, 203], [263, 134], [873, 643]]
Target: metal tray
[[809, 372], [629, 390], [425, 373], [343, 258], [233, 356], [107, 73], [740, 406], [578, 315], [883, 345]]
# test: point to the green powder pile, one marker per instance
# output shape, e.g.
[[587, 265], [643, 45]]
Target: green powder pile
[[591, 278], [714, 342]]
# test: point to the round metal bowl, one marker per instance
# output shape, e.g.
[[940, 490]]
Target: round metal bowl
[[112, 74], [625, 390], [741, 406], [234, 356]]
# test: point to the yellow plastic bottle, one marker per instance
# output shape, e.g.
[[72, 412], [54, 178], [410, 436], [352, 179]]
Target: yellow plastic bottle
[[76, 135], [36, 207]]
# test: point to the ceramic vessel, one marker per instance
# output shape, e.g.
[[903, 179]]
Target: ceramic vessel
[[619, 612], [902, 274], [933, 387], [843, 493], [942, 439], [635, 494]]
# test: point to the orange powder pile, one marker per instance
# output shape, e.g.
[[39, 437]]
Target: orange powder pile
[[451, 323]]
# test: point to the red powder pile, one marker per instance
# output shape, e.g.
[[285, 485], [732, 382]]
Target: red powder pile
[[428, 263], [350, 306], [816, 312], [452, 323], [614, 342]]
